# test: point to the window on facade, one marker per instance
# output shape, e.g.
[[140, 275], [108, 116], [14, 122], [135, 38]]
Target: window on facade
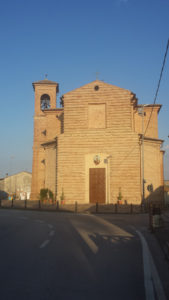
[[97, 116], [45, 102]]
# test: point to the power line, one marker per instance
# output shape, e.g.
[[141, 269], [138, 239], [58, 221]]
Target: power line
[[158, 86]]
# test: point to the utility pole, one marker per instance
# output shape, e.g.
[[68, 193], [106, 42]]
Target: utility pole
[[141, 113], [108, 178], [142, 154]]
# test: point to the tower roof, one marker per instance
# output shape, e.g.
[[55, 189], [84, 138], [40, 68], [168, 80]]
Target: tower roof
[[45, 81]]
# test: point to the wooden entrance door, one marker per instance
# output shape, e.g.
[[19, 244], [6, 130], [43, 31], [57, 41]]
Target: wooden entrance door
[[97, 185]]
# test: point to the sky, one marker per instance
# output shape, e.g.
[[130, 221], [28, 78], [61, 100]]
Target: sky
[[123, 40]]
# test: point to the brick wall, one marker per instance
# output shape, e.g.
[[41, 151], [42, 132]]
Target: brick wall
[[104, 122], [47, 125], [117, 139]]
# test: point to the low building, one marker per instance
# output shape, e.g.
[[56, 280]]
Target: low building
[[18, 185], [166, 183], [166, 192]]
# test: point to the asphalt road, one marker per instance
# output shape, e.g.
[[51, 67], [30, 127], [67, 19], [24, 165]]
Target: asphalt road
[[47, 255]]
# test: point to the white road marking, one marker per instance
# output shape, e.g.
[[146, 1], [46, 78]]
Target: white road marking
[[44, 244], [150, 273], [87, 214], [157, 282], [106, 231], [51, 233], [39, 221], [88, 241], [112, 228], [50, 226]]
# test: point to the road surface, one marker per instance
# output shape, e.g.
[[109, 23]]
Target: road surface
[[49, 255]]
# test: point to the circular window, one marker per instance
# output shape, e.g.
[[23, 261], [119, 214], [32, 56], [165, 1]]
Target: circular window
[[96, 87]]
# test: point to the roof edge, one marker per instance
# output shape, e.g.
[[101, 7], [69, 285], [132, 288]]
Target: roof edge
[[46, 81], [150, 105], [151, 139], [97, 81]]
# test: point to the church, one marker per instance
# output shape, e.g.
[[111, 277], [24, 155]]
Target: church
[[99, 146]]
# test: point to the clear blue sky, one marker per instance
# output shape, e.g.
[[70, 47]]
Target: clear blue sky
[[123, 40]]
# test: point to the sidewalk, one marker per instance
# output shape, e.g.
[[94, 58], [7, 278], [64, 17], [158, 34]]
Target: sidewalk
[[162, 234]]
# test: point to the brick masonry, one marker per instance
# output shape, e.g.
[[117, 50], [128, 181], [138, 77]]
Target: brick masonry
[[97, 119]]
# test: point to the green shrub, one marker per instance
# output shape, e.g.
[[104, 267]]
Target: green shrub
[[51, 196], [120, 197], [46, 194], [62, 196]]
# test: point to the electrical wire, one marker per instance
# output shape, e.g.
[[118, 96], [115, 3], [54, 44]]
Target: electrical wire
[[158, 86]]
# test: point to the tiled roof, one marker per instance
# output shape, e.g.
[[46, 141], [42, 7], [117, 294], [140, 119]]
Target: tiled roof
[[44, 81]]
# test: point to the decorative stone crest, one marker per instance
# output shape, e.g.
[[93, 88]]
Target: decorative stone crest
[[96, 159]]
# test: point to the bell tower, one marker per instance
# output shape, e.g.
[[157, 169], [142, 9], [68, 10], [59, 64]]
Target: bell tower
[[45, 95], [45, 106]]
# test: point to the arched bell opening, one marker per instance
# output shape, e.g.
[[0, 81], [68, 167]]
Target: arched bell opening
[[45, 102]]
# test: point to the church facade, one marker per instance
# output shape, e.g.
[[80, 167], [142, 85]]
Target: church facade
[[93, 148]]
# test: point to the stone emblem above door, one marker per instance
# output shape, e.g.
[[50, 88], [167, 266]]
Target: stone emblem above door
[[96, 159]]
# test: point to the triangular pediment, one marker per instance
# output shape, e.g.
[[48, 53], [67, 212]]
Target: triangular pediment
[[98, 85]]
